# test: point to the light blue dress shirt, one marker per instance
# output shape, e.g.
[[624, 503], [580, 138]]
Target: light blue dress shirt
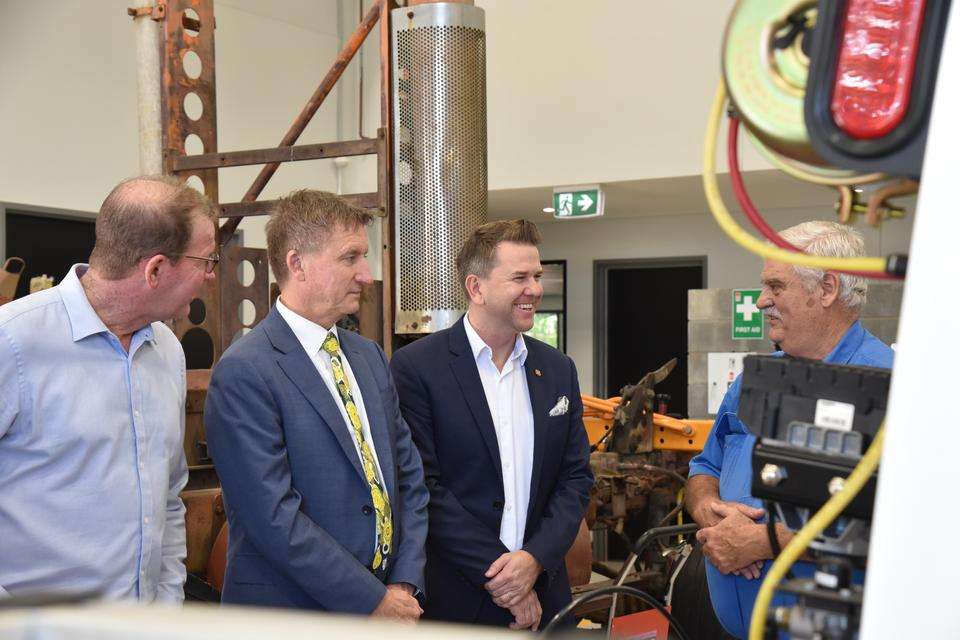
[[727, 456], [91, 452]]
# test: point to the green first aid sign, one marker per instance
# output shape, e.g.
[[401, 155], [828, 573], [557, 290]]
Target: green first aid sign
[[574, 202], [747, 318]]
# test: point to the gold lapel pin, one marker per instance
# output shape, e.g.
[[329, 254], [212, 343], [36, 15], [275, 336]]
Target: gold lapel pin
[[537, 372]]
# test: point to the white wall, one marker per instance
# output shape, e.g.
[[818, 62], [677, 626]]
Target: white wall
[[583, 92], [581, 242]]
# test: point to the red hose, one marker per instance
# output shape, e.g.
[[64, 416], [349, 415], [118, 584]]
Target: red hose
[[756, 219]]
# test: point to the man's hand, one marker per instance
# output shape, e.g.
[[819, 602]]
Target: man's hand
[[406, 587], [398, 604], [512, 577], [527, 612], [736, 543], [751, 571], [711, 512]]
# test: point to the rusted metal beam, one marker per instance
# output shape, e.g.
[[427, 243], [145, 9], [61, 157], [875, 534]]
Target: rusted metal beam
[[336, 70], [236, 210], [276, 154]]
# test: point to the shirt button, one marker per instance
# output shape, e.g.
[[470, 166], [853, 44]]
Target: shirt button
[[506, 465], [136, 413], [141, 465], [146, 520], [366, 509], [509, 507], [143, 572]]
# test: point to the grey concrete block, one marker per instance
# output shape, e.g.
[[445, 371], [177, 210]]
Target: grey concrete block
[[883, 300], [708, 335], [697, 367], [697, 401], [884, 328], [708, 304]]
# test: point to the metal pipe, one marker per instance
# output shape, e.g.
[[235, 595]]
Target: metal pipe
[[336, 70], [638, 548], [147, 32]]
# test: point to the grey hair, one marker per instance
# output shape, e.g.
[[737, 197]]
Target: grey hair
[[824, 238]]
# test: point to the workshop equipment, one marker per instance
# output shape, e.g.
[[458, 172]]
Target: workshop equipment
[[440, 155], [10, 277]]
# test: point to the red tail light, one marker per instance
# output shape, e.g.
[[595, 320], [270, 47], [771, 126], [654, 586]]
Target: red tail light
[[875, 66]]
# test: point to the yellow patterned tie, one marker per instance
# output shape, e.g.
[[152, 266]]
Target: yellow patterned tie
[[381, 503]]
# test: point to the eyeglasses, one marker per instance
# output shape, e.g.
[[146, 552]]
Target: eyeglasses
[[212, 260]]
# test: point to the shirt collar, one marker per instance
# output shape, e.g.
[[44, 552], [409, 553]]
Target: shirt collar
[[477, 345], [309, 333], [84, 321], [848, 345]]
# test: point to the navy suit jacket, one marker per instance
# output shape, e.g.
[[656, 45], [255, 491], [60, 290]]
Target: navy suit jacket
[[442, 399], [302, 528]]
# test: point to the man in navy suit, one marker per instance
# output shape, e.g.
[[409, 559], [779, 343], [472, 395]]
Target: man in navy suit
[[323, 485], [497, 418]]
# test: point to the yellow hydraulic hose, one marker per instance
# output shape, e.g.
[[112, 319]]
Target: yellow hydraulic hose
[[744, 239], [820, 521]]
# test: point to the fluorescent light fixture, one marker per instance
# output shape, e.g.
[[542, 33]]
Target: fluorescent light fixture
[[549, 210]]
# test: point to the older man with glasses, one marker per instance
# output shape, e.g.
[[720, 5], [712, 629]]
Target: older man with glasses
[[92, 392]]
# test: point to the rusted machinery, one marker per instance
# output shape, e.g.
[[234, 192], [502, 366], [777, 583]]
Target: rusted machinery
[[639, 457], [10, 274]]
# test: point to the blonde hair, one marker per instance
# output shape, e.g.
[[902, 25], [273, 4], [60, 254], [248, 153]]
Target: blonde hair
[[302, 221]]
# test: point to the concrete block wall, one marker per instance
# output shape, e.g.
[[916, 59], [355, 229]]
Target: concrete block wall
[[709, 330]]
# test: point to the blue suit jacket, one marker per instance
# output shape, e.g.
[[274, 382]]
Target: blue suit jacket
[[298, 506], [442, 399]]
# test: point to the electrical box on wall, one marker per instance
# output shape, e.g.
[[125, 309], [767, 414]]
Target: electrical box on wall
[[722, 370]]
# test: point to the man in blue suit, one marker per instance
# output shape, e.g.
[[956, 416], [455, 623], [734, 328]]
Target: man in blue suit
[[497, 417], [323, 485]]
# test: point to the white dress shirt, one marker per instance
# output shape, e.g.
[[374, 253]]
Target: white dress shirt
[[509, 402], [311, 337]]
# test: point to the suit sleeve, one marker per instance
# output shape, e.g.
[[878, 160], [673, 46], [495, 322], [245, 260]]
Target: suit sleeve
[[455, 534], [554, 534], [412, 507], [245, 436]]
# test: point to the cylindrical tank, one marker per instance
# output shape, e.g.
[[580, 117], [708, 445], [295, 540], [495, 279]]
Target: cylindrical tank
[[440, 156]]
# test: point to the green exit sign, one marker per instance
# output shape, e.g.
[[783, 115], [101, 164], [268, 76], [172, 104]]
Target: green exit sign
[[577, 202]]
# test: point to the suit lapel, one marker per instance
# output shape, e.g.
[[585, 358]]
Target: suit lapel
[[465, 371], [540, 402], [373, 406], [300, 369]]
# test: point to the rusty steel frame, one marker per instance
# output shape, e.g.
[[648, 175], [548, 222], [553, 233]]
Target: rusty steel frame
[[177, 41], [182, 35]]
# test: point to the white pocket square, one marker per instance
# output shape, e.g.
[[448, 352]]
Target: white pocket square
[[561, 408]]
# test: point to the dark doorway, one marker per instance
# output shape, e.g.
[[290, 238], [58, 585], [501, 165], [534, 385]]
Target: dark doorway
[[640, 322], [49, 245]]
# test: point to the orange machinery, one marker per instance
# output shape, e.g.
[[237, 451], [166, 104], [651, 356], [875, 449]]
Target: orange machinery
[[670, 434]]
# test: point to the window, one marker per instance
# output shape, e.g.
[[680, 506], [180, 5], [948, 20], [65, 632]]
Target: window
[[549, 323]]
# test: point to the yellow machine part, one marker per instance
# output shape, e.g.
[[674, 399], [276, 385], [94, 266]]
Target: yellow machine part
[[671, 434]]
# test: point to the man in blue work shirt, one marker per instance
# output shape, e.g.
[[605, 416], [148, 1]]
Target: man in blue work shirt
[[92, 391], [811, 314]]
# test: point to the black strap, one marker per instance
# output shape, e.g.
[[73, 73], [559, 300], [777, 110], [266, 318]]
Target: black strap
[[772, 535]]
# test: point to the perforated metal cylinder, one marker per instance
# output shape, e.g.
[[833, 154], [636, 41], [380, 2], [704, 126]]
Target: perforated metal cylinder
[[440, 156]]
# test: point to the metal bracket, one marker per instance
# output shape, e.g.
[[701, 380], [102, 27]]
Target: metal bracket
[[156, 13]]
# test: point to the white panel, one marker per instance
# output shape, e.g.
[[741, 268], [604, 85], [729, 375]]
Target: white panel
[[913, 563]]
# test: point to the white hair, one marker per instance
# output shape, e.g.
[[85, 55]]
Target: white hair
[[823, 238]]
